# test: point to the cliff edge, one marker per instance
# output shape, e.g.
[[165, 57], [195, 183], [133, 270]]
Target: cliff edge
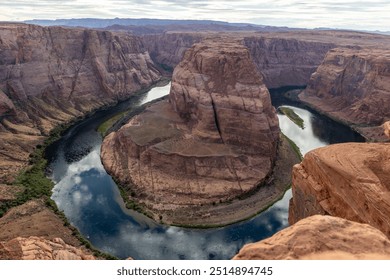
[[349, 180]]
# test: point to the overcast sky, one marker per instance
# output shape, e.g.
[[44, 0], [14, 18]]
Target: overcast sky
[[363, 15]]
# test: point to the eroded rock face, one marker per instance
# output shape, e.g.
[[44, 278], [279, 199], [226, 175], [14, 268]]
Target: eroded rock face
[[38, 248], [286, 61], [282, 61], [353, 86], [214, 140], [350, 181], [223, 98], [50, 75], [320, 237], [168, 49]]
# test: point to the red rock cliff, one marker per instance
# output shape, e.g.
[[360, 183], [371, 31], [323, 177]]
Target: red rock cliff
[[49, 75], [353, 86], [283, 61], [350, 181], [286, 61], [214, 141]]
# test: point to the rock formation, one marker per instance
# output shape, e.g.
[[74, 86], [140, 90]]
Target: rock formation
[[33, 218], [353, 86], [168, 49], [283, 62], [37, 248], [350, 181], [320, 237], [284, 58], [50, 75], [213, 141], [33, 231], [286, 61]]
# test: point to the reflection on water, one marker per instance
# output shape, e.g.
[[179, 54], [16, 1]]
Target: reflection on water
[[305, 138], [91, 201]]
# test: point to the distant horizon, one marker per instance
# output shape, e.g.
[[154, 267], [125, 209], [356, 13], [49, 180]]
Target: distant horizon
[[200, 20], [329, 14]]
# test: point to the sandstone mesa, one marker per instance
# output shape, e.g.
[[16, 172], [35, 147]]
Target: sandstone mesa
[[215, 140]]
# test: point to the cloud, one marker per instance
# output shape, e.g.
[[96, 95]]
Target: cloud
[[368, 15]]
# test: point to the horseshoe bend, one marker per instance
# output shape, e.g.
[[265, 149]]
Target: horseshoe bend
[[209, 154], [188, 159]]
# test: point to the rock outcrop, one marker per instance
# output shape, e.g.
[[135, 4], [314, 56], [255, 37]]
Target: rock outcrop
[[33, 218], [320, 237], [350, 181], [51, 75], [215, 140], [353, 86], [37, 248]]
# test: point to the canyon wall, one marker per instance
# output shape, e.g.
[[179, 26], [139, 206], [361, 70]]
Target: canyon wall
[[286, 61], [353, 86], [282, 61], [320, 238], [168, 49], [213, 141], [50, 75]]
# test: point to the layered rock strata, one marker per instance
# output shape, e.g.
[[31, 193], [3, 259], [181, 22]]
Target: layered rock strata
[[168, 49], [38, 248], [50, 75], [215, 139], [350, 181], [284, 58], [283, 62], [286, 61], [320, 237], [353, 86]]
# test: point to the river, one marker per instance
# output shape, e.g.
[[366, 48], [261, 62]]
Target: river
[[91, 201]]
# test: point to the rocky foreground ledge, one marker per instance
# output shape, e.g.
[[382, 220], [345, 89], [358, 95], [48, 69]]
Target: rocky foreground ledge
[[350, 181], [215, 140], [321, 237]]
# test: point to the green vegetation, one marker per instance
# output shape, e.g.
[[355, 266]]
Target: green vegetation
[[33, 179], [105, 126], [35, 184], [294, 146], [84, 242], [126, 193], [292, 116]]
